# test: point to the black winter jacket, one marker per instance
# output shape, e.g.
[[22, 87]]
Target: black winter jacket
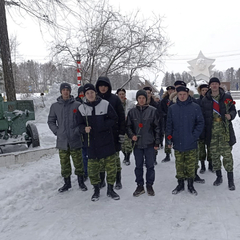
[[149, 133], [207, 109], [119, 127], [101, 117]]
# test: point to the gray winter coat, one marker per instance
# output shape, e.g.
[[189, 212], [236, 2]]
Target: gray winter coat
[[63, 120]]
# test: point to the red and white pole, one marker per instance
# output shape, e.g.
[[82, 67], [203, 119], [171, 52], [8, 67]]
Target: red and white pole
[[79, 77]]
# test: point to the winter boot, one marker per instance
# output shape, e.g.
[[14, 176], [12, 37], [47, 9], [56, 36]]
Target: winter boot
[[111, 193], [139, 190], [102, 178], [219, 179], [67, 185], [118, 184], [82, 186], [127, 162], [231, 185], [210, 167], [179, 188], [203, 168], [96, 194], [191, 189], [197, 179], [124, 160], [167, 158], [150, 190]]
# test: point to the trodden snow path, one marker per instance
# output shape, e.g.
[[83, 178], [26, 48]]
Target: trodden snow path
[[32, 208]]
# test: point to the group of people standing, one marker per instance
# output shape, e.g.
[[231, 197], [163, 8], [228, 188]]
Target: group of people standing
[[93, 127]]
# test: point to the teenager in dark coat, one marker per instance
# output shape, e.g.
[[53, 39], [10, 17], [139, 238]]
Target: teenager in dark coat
[[104, 89], [97, 117]]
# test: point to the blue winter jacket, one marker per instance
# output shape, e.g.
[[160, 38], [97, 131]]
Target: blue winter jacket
[[185, 123]]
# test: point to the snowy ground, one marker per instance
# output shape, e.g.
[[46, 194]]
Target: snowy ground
[[31, 208]]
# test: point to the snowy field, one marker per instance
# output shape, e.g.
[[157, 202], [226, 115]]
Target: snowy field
[[31, 208]]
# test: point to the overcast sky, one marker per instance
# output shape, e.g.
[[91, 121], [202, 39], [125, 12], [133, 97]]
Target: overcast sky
[[210, 26]]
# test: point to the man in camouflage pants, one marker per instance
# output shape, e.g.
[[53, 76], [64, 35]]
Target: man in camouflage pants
[[219, 110], [184, 126], [63, 122]]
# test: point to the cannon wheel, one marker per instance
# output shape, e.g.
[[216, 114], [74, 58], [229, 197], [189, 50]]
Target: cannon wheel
[[32, 132]]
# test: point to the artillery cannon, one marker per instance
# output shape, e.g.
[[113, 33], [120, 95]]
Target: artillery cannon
[[14, 128]]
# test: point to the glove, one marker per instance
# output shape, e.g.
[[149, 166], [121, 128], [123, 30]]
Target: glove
[[121, 138]]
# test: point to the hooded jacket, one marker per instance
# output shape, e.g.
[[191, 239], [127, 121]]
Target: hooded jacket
[[101, 117], [63, 120], [119, 127], [207, 109], [185, 123]]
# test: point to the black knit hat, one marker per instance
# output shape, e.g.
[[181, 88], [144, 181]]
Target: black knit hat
[[121, 89], [182, 89], [180, 82], [65, 85], [87, 87], [214, 79], [141, 92], [170, 87], [80, 89]]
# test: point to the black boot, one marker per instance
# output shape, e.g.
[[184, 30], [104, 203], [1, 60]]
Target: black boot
[[203, 168], [111, 193], [82, 186], [191, 189], [197, 179], [96, 194], [167, 158], [219, 179], [210, 167], [67, 185], [150, 190], [179, 188], [127, 162], [231, 185], [102, 178], [118, 184]]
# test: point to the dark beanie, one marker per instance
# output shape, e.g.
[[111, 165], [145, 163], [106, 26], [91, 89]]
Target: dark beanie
[[87, 87], [141, 92], [80, 89], [65, 85], [170, 87], [182, 89], [180, 82], [214, 79], [147, 88], [121, 89]]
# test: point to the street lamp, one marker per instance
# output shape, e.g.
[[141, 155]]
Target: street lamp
[[79, 77]]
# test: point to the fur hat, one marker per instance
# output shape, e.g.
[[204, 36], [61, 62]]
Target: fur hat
[[141, 92], [182, 89], [65, 85], [180, 82], [87, 87], [214, 79]]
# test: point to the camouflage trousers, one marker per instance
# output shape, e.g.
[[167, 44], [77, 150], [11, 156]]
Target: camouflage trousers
[[167, 150], [118, 163], [127, 145], [66, 168], [108, 164], [203, 152], [185, 164], [219, 147]]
